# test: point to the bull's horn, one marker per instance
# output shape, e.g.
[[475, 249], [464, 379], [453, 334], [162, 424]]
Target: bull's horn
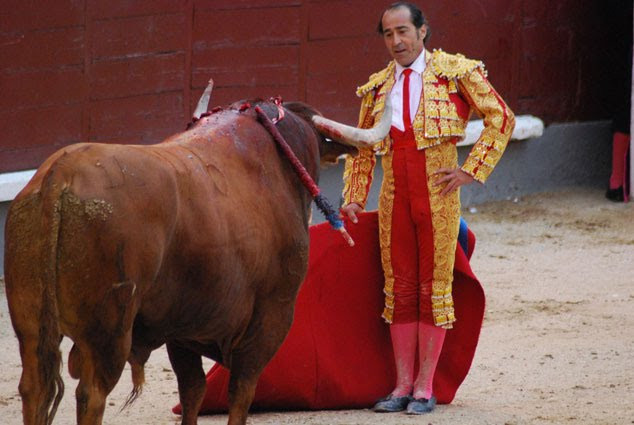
[[203, 103], [360, 138]]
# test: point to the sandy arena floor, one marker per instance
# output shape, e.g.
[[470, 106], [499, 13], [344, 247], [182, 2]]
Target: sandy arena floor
[[557, 345]]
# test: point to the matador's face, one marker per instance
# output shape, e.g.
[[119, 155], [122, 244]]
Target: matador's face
[[402, 39]]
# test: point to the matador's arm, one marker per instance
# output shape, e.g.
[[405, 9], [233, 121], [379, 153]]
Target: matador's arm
[[359, 170], [499, 122]]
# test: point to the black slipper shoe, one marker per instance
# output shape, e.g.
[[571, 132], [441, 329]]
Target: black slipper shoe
[[391, 404], [419, 406]]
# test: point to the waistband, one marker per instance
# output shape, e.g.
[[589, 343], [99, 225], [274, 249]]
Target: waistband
[[402, 139]]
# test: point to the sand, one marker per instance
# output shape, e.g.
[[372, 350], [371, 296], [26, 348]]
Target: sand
[[557, 346]]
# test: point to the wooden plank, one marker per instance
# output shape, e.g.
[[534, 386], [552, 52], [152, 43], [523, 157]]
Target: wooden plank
[[139, 119], [334, 96], [53, 126], [500, 78], [548, 45], [19, 15], [143, 75], [125, 8], [34, 89], [488, 14], [243, 4], [42, 49], [257, 27], [189, 34], [549, 12], [89, 26], [133, 37], [24, 159], [487, 45], [511, 64], [343, 19], [360, 56], [267, 65], [303, 51]]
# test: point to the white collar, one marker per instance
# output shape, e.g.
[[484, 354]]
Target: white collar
[[417, 66]]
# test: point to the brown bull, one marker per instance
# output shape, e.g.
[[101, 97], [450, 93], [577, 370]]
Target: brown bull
[[199, 243]]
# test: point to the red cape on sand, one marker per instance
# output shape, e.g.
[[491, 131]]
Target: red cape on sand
[[338, 353]]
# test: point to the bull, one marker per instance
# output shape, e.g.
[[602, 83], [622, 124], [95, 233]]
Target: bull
[[199, 242]]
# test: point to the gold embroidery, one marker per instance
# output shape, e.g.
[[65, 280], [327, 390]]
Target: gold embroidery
[[386, 206], [436, 92], [357, 177], [377, 79], [453, 66], [438, 111], [429, 77], [358, 171], [445, 212], [451, 86]]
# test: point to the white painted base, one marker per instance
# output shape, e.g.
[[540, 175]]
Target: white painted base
[[12, 183], [526, 127]]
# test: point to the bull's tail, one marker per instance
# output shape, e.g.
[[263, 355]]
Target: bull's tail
[[50, 357], [138, 379], [32, 231]]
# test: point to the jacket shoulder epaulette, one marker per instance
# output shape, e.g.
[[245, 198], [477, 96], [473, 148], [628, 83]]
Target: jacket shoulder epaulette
[[375, 80], [451, 66]]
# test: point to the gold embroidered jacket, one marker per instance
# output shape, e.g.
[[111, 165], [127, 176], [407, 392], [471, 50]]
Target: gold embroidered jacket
[[453, 87]]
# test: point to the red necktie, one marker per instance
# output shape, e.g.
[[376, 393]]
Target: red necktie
[[407, 120]]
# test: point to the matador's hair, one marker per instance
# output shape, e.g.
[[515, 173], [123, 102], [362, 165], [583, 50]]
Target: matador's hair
[[417, 16]]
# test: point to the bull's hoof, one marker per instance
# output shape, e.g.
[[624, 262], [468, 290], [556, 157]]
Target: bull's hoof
[[421, 405], [391, 404]]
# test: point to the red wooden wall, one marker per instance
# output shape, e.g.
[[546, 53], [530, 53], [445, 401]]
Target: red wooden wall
[[131, 71]]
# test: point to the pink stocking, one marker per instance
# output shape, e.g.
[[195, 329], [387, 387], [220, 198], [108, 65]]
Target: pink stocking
[[430, 340], [404, 337]]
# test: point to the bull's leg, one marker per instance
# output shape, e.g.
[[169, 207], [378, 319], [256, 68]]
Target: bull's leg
[[40, 383], [190, 375], [241, 391], [267, 331], [103, 358], [41, 386], [30, 385]]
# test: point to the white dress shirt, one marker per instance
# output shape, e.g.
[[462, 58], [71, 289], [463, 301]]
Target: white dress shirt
[[415, 90]]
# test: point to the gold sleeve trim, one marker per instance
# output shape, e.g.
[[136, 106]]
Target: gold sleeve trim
[[357, 177], [358, 171], [499, 122]]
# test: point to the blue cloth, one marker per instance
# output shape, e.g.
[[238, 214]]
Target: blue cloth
[[463, 239]]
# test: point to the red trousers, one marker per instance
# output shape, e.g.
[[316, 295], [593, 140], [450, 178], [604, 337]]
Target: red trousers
[[412, 242]]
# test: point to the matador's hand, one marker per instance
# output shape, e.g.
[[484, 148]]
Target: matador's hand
[[454, 178], [351, 210]]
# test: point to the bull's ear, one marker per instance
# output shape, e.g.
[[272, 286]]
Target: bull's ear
[[330, 151]]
